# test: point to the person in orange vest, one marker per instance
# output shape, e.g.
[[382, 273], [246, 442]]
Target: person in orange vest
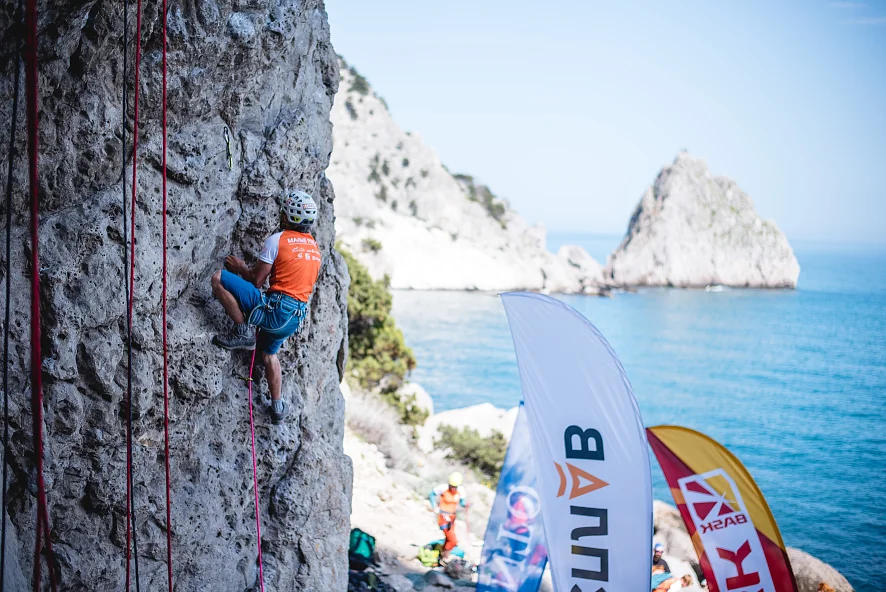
[[290, 259], [445, 500]]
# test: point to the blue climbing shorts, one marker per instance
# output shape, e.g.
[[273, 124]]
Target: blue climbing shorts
[[276, 315]]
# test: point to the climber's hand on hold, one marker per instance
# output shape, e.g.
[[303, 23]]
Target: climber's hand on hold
[[236, 265]]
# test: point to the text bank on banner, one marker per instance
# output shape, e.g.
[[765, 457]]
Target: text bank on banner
[[589, 447], [514, 554], [733, 531]]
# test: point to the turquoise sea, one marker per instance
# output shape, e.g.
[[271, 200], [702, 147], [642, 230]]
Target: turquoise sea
[[792, 382]]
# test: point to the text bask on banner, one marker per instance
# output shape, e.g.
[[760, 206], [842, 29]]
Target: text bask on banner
[[732, 529]]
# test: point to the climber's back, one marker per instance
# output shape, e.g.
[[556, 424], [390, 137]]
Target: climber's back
[[295, 263]]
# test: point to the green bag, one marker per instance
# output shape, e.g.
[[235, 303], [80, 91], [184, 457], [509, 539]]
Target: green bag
[[429, 555], [362, 544]]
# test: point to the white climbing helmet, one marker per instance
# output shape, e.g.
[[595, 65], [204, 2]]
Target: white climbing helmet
[[299, 208]]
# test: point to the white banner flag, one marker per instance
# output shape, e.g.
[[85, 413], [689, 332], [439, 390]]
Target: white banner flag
[[589, 446]]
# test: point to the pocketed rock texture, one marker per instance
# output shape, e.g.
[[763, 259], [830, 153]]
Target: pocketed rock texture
[[402, 213], [266, 70], [692, 229]]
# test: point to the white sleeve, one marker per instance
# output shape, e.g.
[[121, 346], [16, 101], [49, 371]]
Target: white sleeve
[[269, 250]]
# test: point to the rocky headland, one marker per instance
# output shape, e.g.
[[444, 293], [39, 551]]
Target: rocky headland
[[693, 230], [402, 213]]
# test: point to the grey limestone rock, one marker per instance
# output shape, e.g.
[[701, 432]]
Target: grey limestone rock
[[810, 572], [264, 69], [692, 229]]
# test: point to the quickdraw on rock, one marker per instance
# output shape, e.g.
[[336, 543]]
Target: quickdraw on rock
[[229, 152]]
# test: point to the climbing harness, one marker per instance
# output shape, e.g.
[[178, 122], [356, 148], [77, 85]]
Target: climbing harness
[[131, 538], [36, 357], [165, 353], [16, 89], [261, 574], [229, 151]]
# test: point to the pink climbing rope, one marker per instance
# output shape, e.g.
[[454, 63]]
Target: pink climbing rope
[[261, 574], [131, 540], [42, 534]]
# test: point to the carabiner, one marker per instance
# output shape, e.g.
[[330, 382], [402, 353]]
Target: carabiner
[[230, 153]]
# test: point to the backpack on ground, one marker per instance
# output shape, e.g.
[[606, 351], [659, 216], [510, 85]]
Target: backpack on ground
[[361, 549], [429, 555]]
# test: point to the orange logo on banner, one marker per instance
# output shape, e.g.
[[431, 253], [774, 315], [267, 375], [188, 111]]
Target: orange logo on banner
[[593, 483]]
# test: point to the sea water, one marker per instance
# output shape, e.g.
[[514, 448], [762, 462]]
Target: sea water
[[792, 382]]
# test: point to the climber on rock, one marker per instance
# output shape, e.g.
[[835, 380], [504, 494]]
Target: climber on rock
[[292, 260]]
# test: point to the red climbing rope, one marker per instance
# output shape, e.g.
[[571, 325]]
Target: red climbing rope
[[261, 575], [36, 355], [130, 513], [165, 357]]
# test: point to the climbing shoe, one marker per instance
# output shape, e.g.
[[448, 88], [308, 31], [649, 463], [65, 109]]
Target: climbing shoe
[[279, 411], [239, 337]]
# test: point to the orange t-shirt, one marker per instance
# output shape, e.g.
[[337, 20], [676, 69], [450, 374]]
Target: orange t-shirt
[[447, 500], [295, 260]]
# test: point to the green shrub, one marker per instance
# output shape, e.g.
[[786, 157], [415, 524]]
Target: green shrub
[[385, 169], [413, 208], [405, 162], [484, 196], [370, 244], [410, 413], [359, 85], [376, 345], [382, 194], [484, 455]]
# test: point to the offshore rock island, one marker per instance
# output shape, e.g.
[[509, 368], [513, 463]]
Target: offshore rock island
[[692, 230]]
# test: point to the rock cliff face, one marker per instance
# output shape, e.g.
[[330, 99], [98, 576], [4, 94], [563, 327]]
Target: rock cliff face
[[266, 70], [692, 229], [402, 213]]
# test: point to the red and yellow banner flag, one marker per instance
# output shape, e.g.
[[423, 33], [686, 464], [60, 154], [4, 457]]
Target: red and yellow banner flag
[[733, 531]]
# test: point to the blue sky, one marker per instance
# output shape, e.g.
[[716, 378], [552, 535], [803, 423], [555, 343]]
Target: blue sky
[[569, 109]]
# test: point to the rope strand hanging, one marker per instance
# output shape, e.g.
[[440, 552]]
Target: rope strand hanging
[[261, 574], [43, 529], [131, 536], [165, 356], [8, 278]]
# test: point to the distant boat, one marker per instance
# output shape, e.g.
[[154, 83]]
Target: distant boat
[[715, 288]]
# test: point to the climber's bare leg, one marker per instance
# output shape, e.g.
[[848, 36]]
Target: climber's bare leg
[[228, 302], [272, 374]]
